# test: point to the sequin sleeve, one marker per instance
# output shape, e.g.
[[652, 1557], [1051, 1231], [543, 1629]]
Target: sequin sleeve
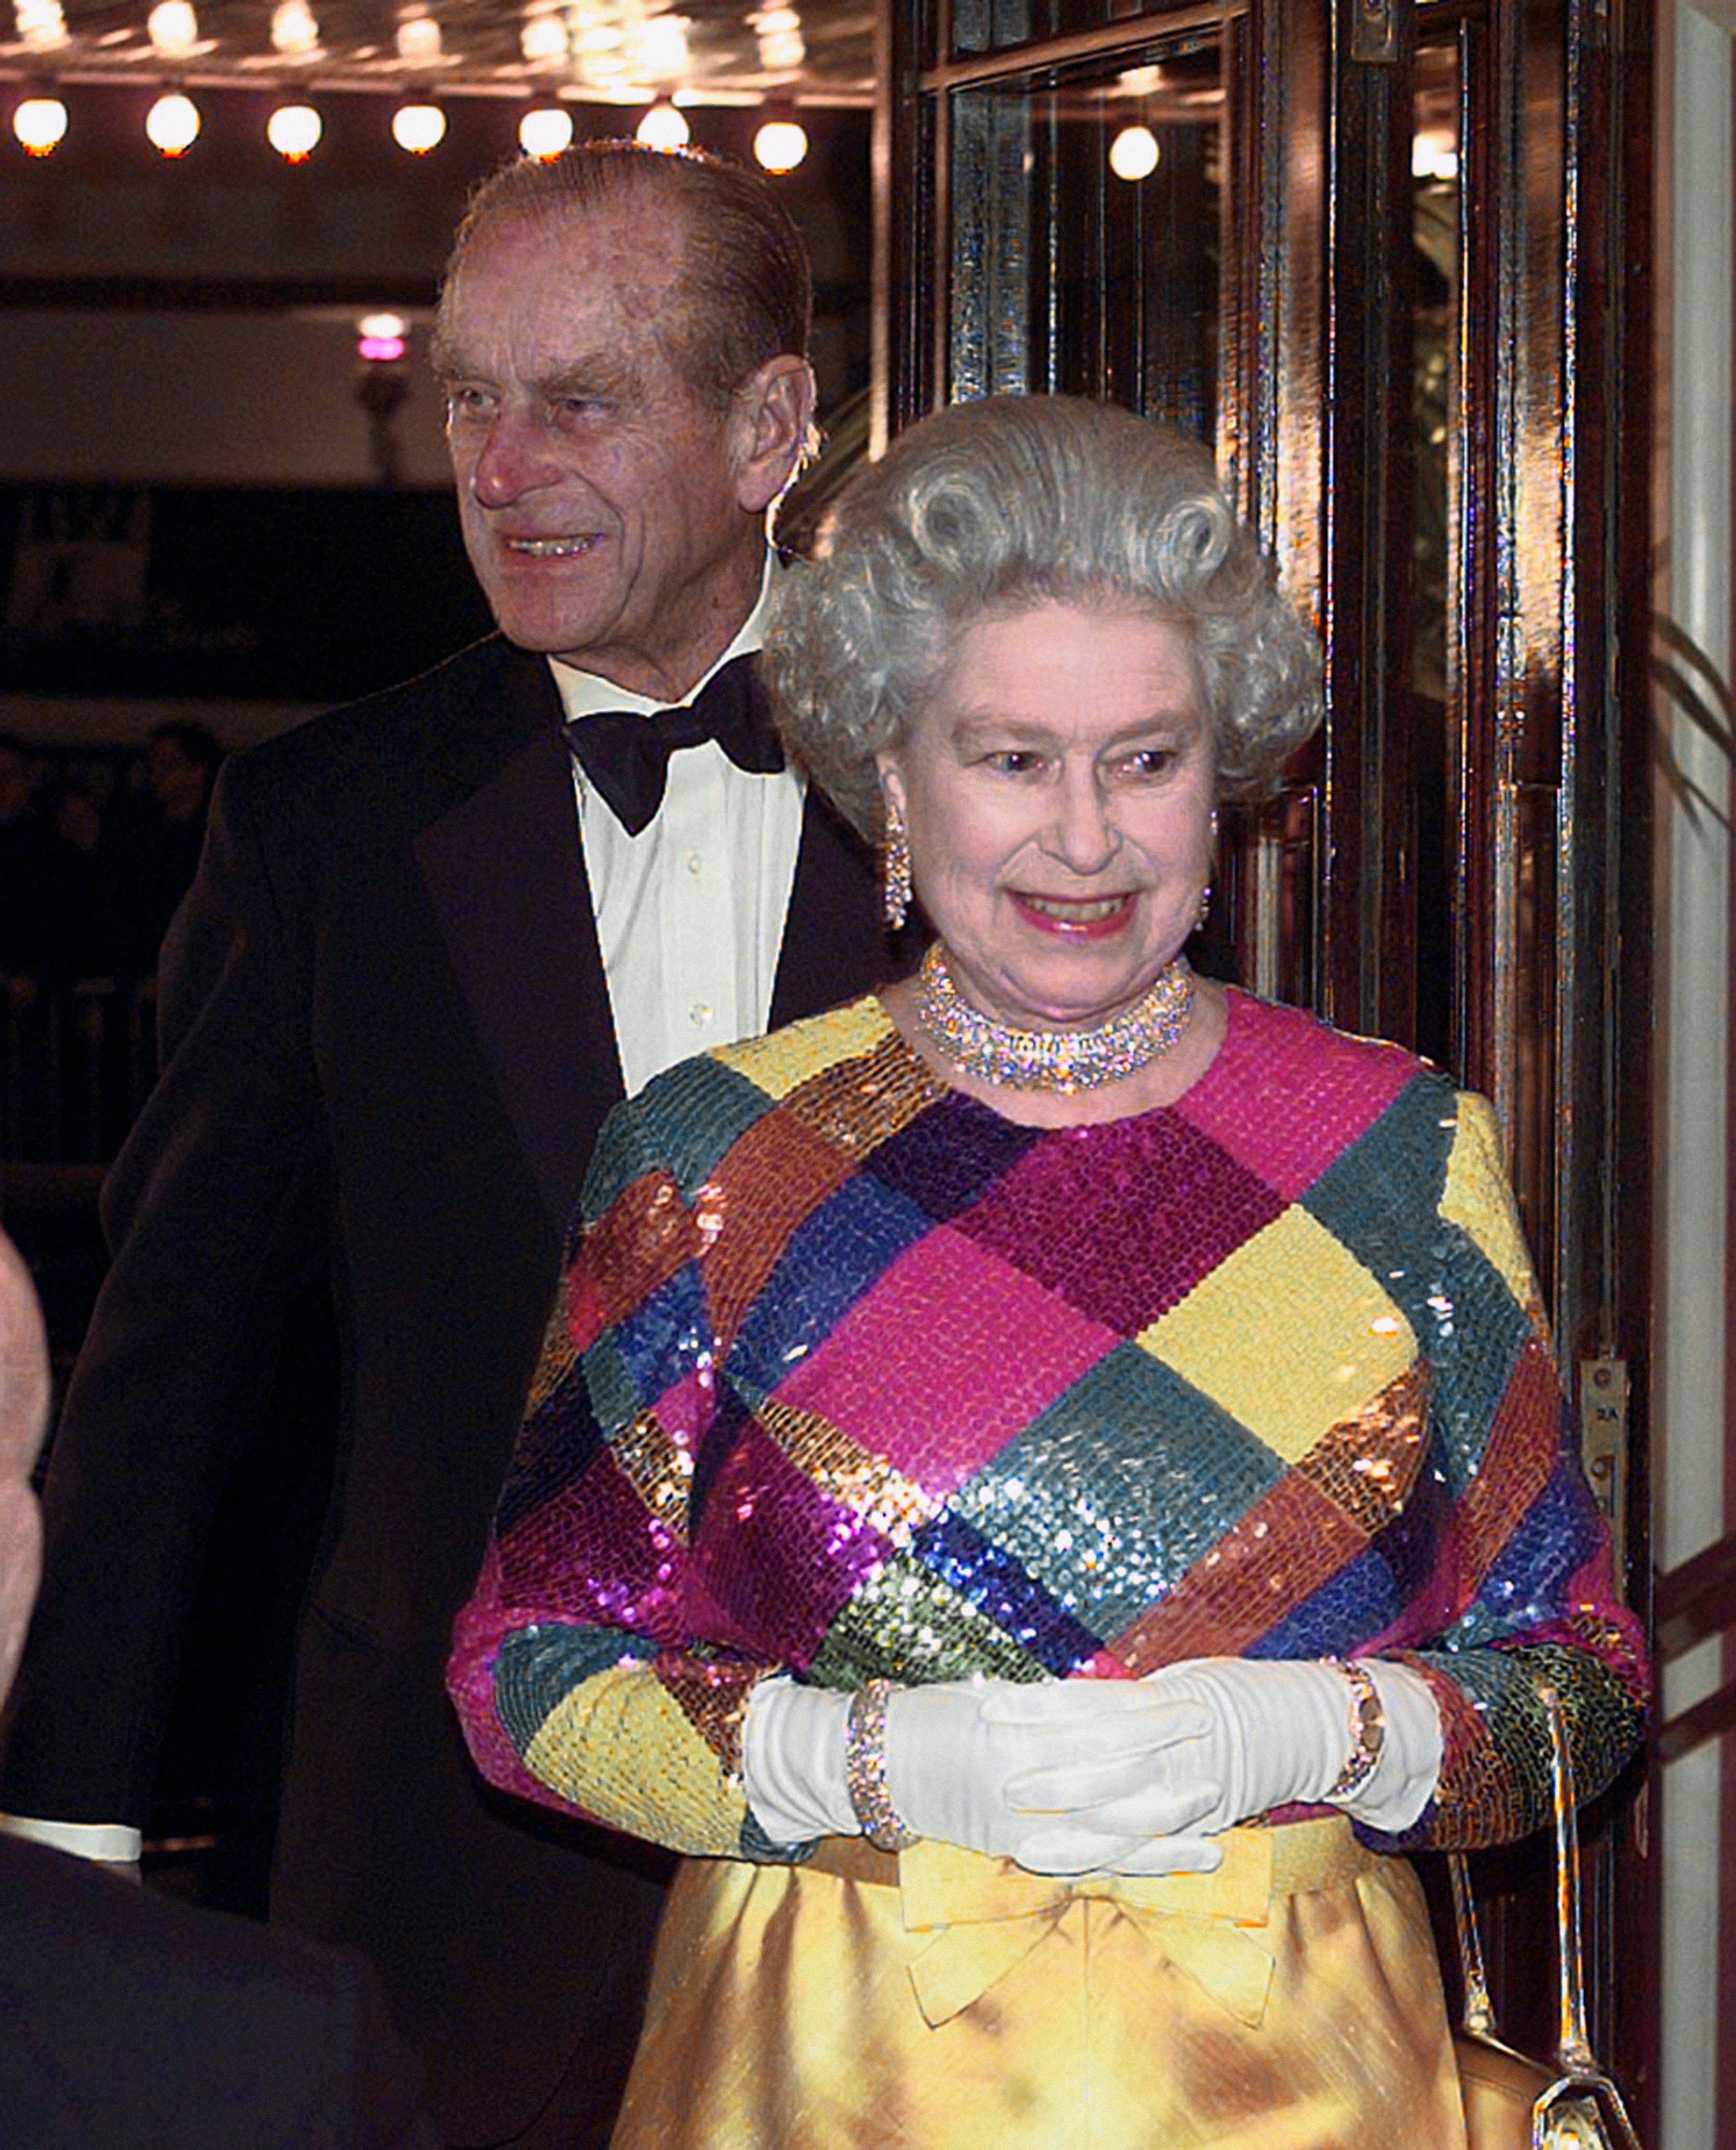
[[576, 1677], [1529, 1591]]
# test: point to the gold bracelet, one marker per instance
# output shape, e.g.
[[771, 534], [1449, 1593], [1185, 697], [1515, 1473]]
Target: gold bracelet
[[1368, 1730], [865, 1769]]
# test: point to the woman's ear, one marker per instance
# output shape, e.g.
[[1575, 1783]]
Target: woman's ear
[[891, 777]]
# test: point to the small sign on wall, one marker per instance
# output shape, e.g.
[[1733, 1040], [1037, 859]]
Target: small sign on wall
[[236, 593]]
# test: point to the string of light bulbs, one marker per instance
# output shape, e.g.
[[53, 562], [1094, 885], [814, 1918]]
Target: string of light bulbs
[[40, 123], [605, 52], [295, 129]]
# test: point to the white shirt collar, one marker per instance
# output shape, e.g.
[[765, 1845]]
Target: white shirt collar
[[583, 693]]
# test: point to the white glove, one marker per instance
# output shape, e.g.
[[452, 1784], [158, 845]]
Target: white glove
[[1276, 1733], [952, 1766]]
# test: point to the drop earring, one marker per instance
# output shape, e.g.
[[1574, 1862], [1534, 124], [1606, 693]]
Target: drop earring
[[894, 870], [1203, 911]]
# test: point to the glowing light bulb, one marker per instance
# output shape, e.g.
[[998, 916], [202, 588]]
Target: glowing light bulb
[[542, 40], [419, 41], [1133, 153], [783, 52], [1435, 155], [782, 47], [174, 28], [41, 24], [294, 131], [380, 337], [418, 128], [40, 124], [663, 128], [545, 131], [294, 29], [781, 145], [662, 49], [172, 125]]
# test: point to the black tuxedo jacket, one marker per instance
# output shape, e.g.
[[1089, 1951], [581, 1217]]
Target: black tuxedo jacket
[[387, 1050], [127, 2022]]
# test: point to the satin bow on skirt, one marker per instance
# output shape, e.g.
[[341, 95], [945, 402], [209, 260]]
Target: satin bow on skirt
[[942, 2000]]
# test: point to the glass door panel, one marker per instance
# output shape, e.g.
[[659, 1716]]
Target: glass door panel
[[1086, 203]]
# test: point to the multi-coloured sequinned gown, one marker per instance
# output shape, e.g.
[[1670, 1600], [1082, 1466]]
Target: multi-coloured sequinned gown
[[852, 1377]]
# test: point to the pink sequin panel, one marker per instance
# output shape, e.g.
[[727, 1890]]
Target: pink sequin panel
[[1125, 1224], [773, 1559], [911, 1387], [1334, 1087]]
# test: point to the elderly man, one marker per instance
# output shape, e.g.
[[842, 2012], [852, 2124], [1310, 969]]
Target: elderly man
[[433, 938], [126, 2018]]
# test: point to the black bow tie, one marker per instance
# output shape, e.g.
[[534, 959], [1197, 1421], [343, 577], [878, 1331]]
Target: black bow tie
[[627, 757]]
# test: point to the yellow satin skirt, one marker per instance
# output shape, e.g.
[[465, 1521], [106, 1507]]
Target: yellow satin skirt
[[942, 2000]]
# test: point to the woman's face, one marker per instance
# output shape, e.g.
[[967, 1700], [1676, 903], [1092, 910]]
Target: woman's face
[[1057, 787]]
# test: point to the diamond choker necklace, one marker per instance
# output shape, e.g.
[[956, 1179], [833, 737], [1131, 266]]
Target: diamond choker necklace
[[1064, 1060]]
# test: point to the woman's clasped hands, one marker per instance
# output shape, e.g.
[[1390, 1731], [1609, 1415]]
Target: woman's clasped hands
[[1065, 1777], [1080, 1776]]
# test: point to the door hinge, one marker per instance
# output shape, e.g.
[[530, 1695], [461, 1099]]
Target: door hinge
[[1374, 31], [1603, 1446]]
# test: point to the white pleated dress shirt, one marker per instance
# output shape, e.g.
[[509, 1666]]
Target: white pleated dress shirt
[[690, 912]]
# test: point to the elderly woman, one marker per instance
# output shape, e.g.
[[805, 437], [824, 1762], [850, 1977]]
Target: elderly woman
[[1046, 1480]]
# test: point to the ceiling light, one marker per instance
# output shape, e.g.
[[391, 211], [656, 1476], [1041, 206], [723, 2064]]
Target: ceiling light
[[418, 128], [783, 52], [294, 131], [172, 125], [1133, 153], [663, 52], [1435, 155], [174, 29], [777, 31], [380, 338], [542, 40], [663, 128], [40, 124], [781, 145], [293, 30], [419, 41], [598, 52], [42, 24], [545, 130]]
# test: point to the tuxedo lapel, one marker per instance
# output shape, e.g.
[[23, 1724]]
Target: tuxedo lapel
[[504, 870], [833, 946], [503, 866]]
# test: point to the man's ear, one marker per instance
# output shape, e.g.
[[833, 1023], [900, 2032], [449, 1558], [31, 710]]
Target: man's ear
[[771, 423]]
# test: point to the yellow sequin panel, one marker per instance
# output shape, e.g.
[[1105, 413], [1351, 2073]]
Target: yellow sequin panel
[[621, 1747], [1478, 1198], [799, 1051], [1329, 1339]]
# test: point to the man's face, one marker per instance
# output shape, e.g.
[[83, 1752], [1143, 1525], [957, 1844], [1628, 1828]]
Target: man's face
[[603, 506]]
